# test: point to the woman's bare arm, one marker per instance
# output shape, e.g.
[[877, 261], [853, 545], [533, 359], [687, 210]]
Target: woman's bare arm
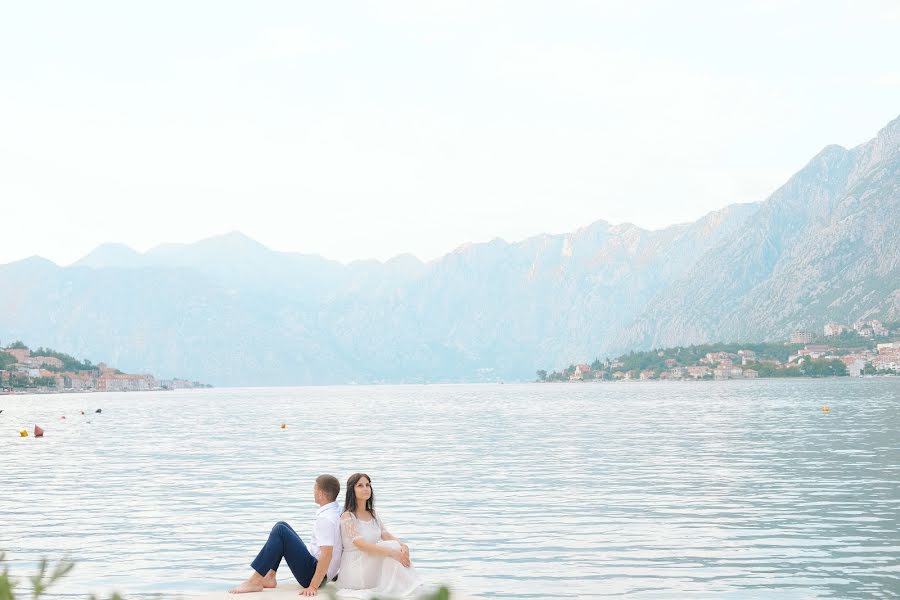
[[387, 535], [398, 555]]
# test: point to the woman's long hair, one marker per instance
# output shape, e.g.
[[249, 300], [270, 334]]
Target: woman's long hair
[[350, 497]]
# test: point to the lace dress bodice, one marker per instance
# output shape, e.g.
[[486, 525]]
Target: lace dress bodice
[[354, 528]]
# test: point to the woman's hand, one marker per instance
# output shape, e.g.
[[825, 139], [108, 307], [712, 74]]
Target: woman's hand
[[401, 557], [404, 549], [310, 591]]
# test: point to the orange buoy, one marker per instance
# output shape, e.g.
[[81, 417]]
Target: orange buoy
[[824, 409], [23, 433], [38, 432]]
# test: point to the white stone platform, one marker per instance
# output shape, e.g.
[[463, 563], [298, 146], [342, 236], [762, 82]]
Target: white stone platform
[[282, 592]]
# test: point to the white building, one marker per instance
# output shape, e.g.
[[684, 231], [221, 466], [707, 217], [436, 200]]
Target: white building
[[833, 329], [801, 337], [699, 372], [884, 363], [678, 372], [856, 368], [870, 328], [728, 373]]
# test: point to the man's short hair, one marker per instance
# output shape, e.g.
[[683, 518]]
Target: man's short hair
[[329, 485]]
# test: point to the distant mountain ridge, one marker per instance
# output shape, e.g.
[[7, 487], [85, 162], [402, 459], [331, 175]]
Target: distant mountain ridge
[[228, 310], [824, 246]]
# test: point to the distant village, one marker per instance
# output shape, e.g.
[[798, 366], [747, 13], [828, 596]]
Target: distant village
[[868, 347], [47, 371]]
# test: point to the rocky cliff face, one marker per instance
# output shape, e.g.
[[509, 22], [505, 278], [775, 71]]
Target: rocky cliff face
[[503, 310], [825, 246]]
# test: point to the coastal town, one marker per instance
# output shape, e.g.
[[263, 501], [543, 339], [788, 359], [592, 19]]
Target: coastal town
[[47, 371], [868, 347]]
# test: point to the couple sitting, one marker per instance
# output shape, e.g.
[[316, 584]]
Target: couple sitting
[[354, 542]]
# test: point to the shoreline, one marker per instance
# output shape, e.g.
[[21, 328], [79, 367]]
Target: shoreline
[[804, 377], [56, 393], [468, 383]]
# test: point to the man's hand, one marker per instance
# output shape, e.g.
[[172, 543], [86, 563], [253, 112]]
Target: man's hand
[[321, 572]]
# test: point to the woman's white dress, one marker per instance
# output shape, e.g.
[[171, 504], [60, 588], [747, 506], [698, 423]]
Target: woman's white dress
[[363, 574]]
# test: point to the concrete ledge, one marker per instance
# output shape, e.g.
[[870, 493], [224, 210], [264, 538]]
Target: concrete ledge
[[282, 592]]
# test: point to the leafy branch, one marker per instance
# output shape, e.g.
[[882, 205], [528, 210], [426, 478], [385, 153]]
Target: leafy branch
[[40, 582]]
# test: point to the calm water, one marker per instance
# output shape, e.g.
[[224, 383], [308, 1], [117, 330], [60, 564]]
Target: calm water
[[651, 490]]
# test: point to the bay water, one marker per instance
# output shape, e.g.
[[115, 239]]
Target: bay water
[[735, 489]]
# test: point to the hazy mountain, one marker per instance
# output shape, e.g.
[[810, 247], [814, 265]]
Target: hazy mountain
[[241, 263], [825, 246], [171, 322], [229, 310], [112, 256]]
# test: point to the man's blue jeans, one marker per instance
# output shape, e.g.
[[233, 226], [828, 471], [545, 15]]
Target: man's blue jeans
[[284, 543]]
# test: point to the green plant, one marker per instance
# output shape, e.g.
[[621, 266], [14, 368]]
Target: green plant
[[40, 582]]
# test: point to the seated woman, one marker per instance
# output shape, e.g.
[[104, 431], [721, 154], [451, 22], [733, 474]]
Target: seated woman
[[374, 562]]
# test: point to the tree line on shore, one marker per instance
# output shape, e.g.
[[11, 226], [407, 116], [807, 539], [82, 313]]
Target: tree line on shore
[[769, 359]]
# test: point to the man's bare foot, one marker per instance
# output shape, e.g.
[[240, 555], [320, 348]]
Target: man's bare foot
[[247, 587], [269, 580]]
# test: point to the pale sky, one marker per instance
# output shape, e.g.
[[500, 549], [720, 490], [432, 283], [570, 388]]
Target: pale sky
[[367, 129]]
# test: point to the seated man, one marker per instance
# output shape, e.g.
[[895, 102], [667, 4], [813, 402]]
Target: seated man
[[311, 565]]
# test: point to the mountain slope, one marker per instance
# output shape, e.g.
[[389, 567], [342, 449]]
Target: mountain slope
[[228, 310], [825, 246]]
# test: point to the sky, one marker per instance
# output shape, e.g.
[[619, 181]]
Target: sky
[[367, 129]]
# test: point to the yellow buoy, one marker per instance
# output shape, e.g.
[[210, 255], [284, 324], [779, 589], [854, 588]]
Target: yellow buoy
[[284, 425], [23, 433], [824, 409]]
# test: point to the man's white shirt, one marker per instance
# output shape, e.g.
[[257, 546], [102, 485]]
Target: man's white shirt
[[327, 532]]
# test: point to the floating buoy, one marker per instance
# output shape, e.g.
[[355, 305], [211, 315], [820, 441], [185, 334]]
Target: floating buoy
[[38, 432], [63, 417], [98, 410], [23, 433], [824, 409], [82, 412], [284, 425]]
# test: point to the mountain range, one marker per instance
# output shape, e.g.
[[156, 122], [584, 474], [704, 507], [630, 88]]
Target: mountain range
[[230, 311]]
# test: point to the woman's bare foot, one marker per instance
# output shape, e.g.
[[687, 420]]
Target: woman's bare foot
[[269, 580]]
